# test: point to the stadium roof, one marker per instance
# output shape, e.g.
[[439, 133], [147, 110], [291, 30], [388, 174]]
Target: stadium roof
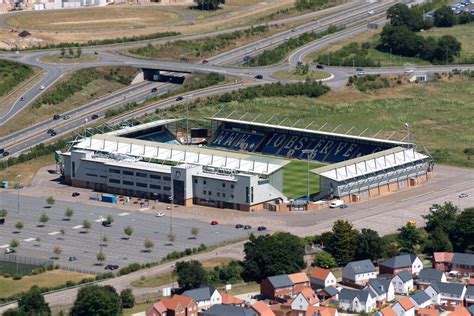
[[136, 128], [295, 129], [148, 150], [372, 163]]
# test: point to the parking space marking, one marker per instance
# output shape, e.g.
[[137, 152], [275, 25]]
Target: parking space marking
[[53, 233], [99, 220], [4, 246], [124, 214], [77, 227], [29, 239]]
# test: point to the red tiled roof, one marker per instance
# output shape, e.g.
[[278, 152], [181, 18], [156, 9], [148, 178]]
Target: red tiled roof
[[427, 312], [228, 299], [406, 303], [310, 296], [388, 311], [471, 281], [300, 277], [173, 302], [156, 309], [443, 256], [322, 310], [460, 311], [320, 273], [262, 309]]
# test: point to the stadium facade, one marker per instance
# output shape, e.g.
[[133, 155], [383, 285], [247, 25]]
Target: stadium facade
[[239, 169]]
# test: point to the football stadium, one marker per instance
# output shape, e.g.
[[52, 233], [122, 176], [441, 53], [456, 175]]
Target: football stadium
[[242, 165]]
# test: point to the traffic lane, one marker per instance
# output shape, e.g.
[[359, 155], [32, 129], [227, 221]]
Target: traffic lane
[[85, 246]]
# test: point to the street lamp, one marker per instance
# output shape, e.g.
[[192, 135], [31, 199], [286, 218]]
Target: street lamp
[[407, 126], [308, 152], [171, 213], [18, 191]]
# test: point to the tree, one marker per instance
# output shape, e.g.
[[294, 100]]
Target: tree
[[19, 225], [464, 231], [369, 245], [68, 214], [194, 232], [104, 239], [110, 219], [86, 225], [324, 260], [148, 245], [33, 303], [3, 213], [402, 15], [209, 4], [268, 255], [408, 238], [98, 301], [63, 52], [38, 241], [190, 274], [439, 241], [13, 312], [15, 243], [63, 232], [79, 52], [341, 242], [444, 17], [100, 257], [127, 297], [448, 48], [71, 52], [128, 230], [57, 251], [44, 218], [441, 216], [171, 237], [50, 201]]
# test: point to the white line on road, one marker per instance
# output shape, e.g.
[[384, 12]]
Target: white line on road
[[53, 233], [100, 220], [4, 246], [77, 227], [29, 239], [124, 214]]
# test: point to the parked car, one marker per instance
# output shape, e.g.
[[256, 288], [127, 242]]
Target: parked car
[[74, 194], [49, 131], [239, 226], [56, 117], [205, 61], [320, 66], [360, 72], [53, 133], [457, 71], [180, 98], [111, 267], [66, 117], [9, 250], [463, 195], [371, 12], [154, 89], [106, 223], [247, 227], [72, 258], [94, 117], [343, 206], [261, 228], [336, 203], [5, 153], [258, 77], [159, 214], [96, 53], [214, 222]]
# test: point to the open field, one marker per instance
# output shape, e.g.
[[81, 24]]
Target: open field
[[111, 17], [70, 92], [9, 287], [312, 75], [440, 114], [295, 176], [27, 170]]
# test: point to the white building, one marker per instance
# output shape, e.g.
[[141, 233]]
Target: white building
[[403, 283], [204, 297], [359, 272], [356, 300]]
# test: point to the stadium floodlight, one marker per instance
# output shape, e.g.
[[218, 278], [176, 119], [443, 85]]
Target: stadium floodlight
[[308, 152]]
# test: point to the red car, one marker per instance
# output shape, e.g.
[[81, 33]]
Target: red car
[[205, 61], [214, 222]]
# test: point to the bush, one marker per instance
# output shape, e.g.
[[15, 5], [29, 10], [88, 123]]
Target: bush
[[353, 54], [17, 277]]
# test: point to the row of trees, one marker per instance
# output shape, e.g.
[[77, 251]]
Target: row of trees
[[71, 53], [445, 17]]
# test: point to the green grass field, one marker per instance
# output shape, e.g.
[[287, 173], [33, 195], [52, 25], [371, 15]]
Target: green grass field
[[12, 74], [463, 33], [295, 175]]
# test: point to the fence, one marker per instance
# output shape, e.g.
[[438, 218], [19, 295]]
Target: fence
[[19, 265]]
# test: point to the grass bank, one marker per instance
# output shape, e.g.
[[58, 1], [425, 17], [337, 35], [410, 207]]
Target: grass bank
[[12, 74], [311, 75]]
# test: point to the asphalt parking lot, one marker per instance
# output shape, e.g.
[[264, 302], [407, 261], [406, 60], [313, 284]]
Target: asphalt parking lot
[[85, 245]]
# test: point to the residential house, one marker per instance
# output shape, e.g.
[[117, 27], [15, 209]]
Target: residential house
[[447, 294], [358, 273], [320, 311], [228, 310], [427, 312], [304, 299], [228, 299], [177, 305], [356, 300], [328, 293], [404, 262], [278, 287], [442, 260], [403, 283], [262, 309], [469, 297], [463, 263], [300, 281], [428, 276], [386, 311], [421, 299], [382, 290], [321, 278], [404, 307], [460, 311], [205, 297]]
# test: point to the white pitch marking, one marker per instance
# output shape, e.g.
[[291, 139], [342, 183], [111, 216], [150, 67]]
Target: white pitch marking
[[4, 246], [77, 227], [29, 239], [124, 214], [53, 233]]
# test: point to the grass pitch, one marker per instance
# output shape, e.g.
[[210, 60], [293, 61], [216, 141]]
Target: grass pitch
[[295, 175]]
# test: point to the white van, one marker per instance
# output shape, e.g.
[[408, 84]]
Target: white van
[[336, 203]]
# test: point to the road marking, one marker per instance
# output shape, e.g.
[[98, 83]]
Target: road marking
[[4, 246], [99, 220], [53, 233], [144, 209], [77, 227], [124, 214], [29, 239]]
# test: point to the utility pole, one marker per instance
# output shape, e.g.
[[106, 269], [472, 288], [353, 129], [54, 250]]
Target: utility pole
[[18, 193], [171, 214], [308, 152]]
